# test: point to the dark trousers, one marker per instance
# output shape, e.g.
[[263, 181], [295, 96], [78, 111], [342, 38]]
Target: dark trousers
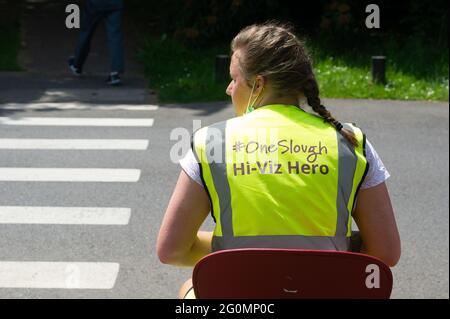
[[92, 15]]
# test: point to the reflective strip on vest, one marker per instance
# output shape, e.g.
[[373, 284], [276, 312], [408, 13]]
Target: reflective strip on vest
[[220, 179], [339, 243], [214, 172], [346, 174]]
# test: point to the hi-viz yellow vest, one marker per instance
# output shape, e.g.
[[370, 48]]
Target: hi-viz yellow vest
[[280, 177]]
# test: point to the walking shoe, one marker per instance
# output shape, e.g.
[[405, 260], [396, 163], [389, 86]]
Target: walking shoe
[[75, 71], [114, 79]]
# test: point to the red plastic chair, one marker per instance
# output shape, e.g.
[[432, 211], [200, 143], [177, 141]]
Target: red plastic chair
[[290, 273]]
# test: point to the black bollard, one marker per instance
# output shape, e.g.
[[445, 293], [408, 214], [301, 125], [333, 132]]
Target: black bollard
[[379, 69], [222, 72]]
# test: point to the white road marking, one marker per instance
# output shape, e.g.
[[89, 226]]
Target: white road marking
[[58, 275], [77, 106], [68, 174], [64, 215], [74, 121], [72, 144]]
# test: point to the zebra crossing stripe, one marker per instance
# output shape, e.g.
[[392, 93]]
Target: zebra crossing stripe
[[58, 275], [68, 174], [77, 106], [72, 144], [64, 215], [77, 121]]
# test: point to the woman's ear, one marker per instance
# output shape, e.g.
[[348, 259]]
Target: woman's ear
[[261, 82]]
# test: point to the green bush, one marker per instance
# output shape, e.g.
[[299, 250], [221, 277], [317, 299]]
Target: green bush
[[181, 74]]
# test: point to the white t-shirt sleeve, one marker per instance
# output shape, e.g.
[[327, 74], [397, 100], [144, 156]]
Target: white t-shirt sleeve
[[191, 167], [376, 174]]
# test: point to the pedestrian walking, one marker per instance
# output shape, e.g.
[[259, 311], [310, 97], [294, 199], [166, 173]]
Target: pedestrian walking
[[96, 11]]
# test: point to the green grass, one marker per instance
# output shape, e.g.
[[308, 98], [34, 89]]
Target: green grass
[[338, 80], [181, 74], [415, 69]]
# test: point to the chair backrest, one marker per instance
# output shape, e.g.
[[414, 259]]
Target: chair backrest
[[290, 273]]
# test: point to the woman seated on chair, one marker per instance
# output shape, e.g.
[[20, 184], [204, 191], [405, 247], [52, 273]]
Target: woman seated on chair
[[276, 176]]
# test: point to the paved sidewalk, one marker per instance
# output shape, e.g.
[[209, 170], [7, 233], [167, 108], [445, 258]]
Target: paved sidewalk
[[47, 44]]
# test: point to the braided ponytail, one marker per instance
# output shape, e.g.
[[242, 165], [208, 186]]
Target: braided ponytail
[[311, 91]]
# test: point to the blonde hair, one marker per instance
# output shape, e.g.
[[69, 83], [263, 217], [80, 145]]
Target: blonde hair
[[273, 51]]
